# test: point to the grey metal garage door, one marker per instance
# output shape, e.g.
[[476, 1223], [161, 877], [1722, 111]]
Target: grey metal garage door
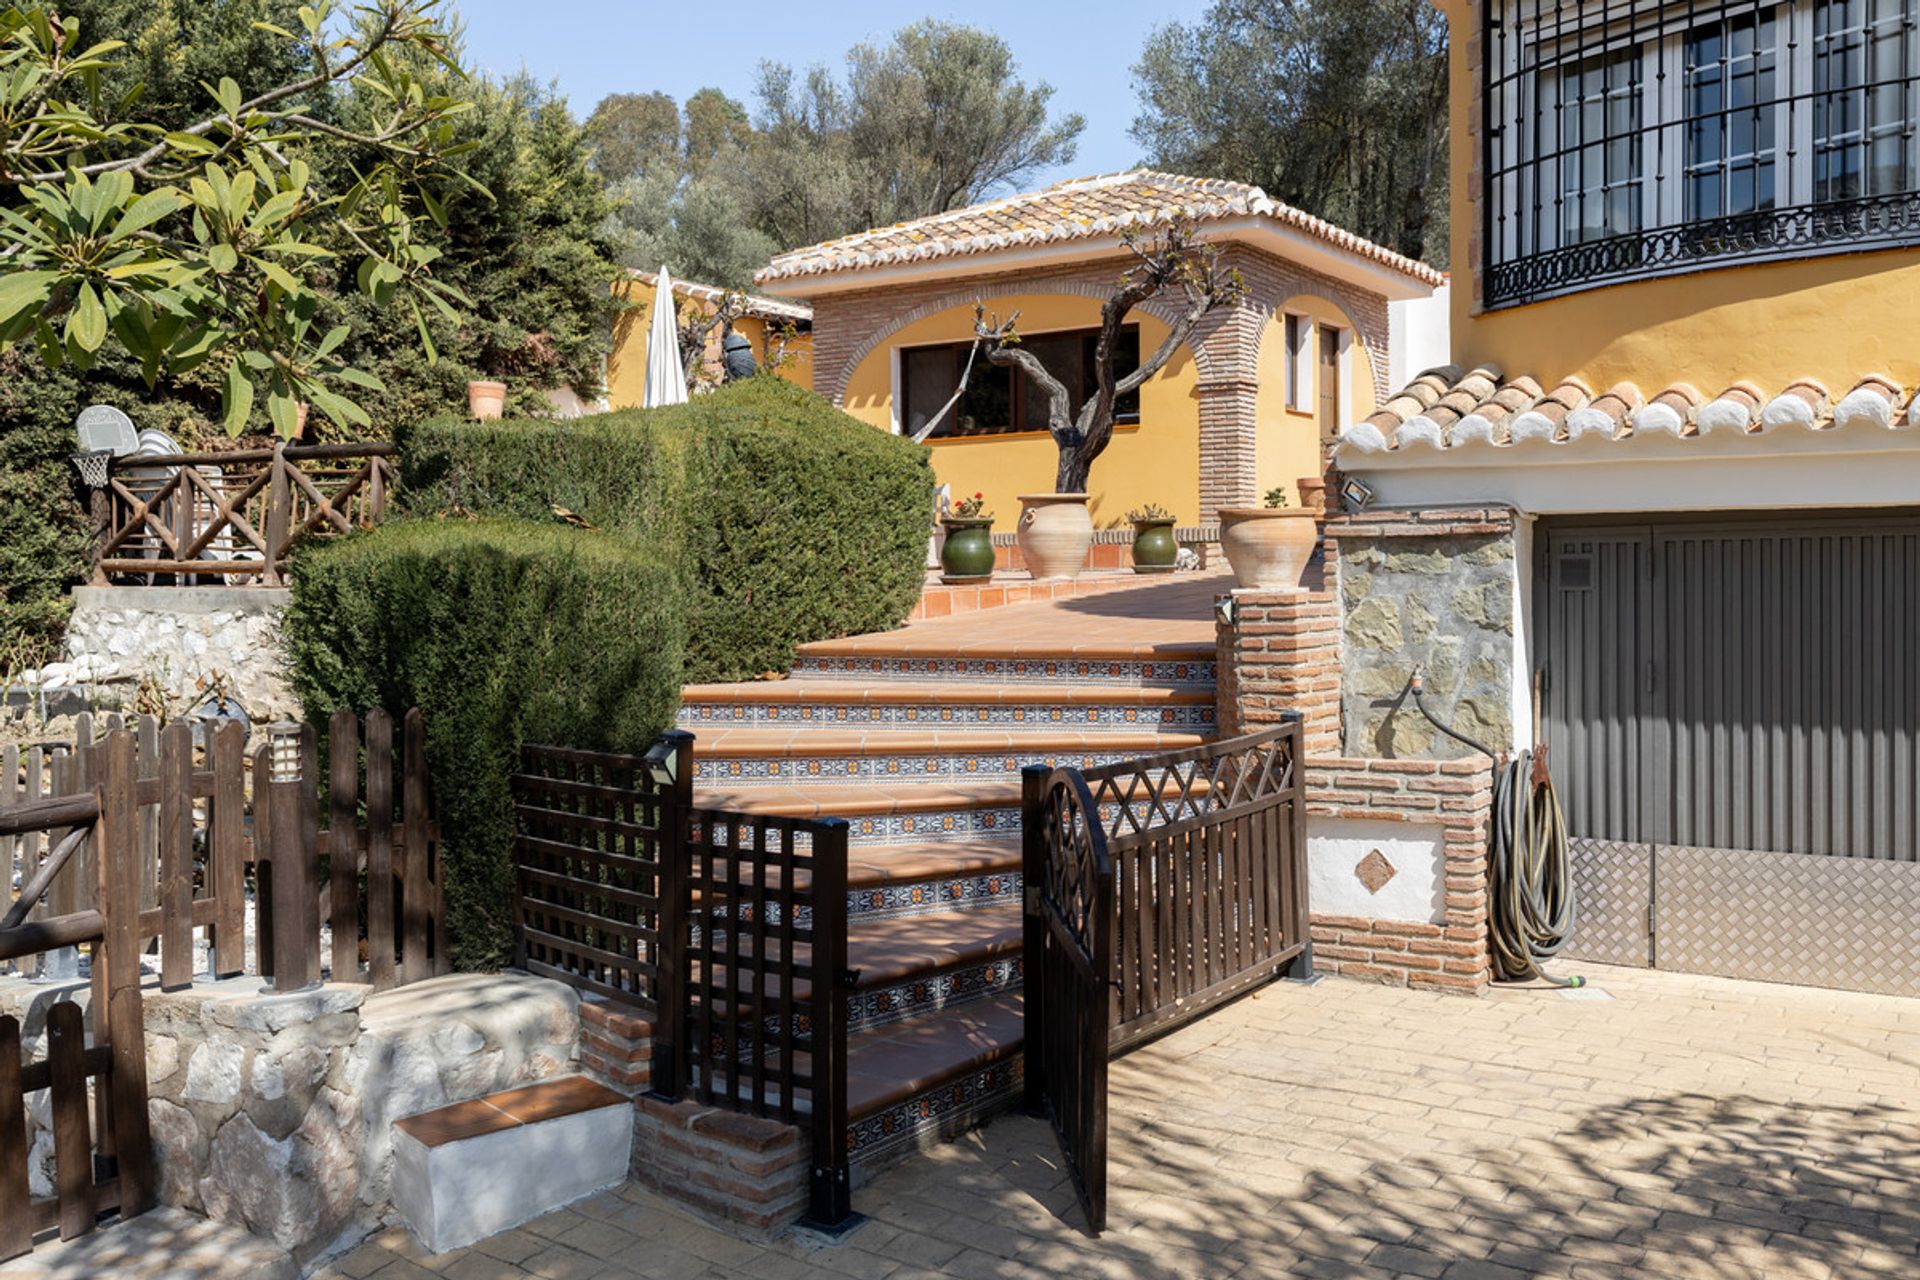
[[1732, 708]]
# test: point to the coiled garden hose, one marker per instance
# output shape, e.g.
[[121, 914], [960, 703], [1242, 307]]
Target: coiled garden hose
[[1529, 871]]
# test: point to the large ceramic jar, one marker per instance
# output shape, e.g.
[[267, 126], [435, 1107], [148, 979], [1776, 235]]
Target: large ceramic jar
[[1055, 531], [967, 553], [1154, 548], [1268, 546]]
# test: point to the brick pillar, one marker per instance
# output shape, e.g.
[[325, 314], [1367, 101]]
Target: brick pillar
[[616, 1047], [1282, 653], [1227, 444]]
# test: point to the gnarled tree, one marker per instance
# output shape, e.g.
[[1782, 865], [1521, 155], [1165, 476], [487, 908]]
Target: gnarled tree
[[1175, 262]]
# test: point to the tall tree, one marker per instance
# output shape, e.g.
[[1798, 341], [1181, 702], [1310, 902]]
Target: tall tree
[[631, 133], [1338, 107], [935, 119]]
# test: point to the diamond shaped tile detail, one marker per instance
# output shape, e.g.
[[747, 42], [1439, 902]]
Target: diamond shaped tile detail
[[1374, 871]]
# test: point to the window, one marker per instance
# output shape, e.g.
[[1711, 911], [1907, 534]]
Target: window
[[998, 399], [1297, 328], [1627, 140]]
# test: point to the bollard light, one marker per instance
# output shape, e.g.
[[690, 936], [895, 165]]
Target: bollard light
[[663, 763], [1224, 610]]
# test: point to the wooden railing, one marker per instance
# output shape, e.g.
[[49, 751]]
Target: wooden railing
[[727, 930], [214, 828], [208, 519]]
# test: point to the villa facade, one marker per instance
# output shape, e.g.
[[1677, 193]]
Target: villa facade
[[1246, 406]]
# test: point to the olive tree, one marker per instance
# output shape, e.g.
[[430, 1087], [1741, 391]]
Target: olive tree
[[203, 242], [1175, 262]]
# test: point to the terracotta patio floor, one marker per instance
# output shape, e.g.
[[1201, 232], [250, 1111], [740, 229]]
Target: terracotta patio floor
[[1167, 616]]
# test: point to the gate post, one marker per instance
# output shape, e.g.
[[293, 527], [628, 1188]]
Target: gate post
[[1033, 871], [1300, 968], [670, 971], [830, 1194]]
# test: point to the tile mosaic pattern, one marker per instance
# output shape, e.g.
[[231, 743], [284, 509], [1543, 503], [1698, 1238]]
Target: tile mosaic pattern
[[936, 1114], [892, 901], [932, 994], [916, 767], [1056, 670], [1187, 719], [945, 824]]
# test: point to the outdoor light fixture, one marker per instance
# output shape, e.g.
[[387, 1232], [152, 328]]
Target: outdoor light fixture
[[284, 743], [1224, 611], [663, 763], [1357, 494]]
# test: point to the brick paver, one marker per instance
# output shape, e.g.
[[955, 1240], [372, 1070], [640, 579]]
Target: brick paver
[[1685, 1127]]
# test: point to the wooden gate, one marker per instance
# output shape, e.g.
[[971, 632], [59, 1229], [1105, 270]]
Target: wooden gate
[[1155, 890]]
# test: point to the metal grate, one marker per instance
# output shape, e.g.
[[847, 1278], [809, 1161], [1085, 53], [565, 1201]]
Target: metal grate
[[1629, 140]]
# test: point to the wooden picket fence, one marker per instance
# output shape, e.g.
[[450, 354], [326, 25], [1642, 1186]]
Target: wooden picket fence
[[210, 824]]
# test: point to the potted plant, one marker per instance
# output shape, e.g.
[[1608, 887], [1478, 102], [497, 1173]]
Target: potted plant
[[486, 400], [966, 555], [1154, 547], [1269, 546]]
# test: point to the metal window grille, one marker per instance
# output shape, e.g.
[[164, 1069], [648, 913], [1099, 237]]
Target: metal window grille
[[1626, 140]]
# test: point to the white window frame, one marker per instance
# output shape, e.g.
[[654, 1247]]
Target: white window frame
[[1296, 330]]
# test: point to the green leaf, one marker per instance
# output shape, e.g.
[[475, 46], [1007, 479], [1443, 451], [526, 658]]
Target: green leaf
[[23, 290], [239, 399], [87, 324], [192, 142], [144, 212], [286, 418], [335, 336], [426, 339], [223, 258], [280, 276], [275, 209]]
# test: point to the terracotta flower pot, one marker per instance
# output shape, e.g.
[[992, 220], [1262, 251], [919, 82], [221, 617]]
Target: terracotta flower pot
[[1155, 550], [1313, 493], [967, 553], [1055, 531], [486, 400], [1268, 546]]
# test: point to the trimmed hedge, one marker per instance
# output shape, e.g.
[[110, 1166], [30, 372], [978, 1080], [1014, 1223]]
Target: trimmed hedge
[[792, 521], [503, 632]]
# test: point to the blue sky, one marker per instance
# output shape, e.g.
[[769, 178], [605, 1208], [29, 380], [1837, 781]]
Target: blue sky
[[595, 47]]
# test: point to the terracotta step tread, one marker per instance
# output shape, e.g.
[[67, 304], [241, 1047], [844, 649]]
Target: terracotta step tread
[[871, 866], [851, 690], [885, 953], [890, 1064], [840, 801], [902, 645], [827, 740]]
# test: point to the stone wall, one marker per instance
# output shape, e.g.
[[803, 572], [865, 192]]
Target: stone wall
[[274, 1112], [1433, 591], [178, 637]]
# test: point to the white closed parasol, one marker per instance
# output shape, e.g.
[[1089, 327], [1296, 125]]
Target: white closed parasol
[[666, 376]]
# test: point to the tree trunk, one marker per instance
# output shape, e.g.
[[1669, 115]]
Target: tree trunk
[[1074, 468]]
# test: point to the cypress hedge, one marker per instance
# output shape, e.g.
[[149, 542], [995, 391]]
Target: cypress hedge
[[790, 520], [503, 632]]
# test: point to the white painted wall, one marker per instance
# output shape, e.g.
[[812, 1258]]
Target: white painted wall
[[1337, 846], [1419, 336]]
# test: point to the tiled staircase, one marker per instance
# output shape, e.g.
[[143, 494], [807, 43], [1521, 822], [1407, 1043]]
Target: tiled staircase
[[917, 738]]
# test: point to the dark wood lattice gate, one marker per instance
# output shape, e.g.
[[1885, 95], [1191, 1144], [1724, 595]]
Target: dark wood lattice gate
[[1156, 889]]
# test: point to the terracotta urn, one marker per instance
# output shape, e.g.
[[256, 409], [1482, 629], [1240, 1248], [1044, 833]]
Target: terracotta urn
[[1055, 531], [1268, 546], [1313, 493], [486, 400]]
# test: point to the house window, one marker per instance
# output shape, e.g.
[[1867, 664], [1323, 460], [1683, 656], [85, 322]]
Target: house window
[[998, 398], [1633, 140], [1297, 329]]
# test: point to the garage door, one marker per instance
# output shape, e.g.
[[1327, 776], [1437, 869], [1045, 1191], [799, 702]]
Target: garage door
[[1732, 709]]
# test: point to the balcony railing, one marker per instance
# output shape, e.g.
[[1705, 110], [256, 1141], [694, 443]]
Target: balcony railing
[[1623, 141]]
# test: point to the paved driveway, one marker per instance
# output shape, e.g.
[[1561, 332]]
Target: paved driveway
[[1691, 1127]]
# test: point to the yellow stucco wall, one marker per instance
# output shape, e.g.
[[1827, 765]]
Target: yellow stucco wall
[[627, 361], [1833, 318], [1287, 445], [1157, 461]]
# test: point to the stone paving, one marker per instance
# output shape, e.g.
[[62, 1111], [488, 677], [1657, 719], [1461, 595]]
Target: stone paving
[[1664, 1125]]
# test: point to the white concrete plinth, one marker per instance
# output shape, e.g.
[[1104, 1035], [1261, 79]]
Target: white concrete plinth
[[455, 1193]]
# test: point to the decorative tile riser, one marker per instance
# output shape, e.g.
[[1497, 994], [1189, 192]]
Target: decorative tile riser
[[1154, 674], [929, 995], [921, 716], [786, 771], [934, 1116], [962, 824]]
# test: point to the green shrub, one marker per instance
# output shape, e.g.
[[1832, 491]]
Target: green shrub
[[792, 521], [503, 632]]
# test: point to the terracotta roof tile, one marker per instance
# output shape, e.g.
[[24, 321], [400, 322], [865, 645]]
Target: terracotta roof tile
[[1447, 408], [1081, 209]]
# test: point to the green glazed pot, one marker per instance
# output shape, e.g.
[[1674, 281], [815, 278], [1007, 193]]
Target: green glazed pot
[[1154, 548], [967, 554]]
